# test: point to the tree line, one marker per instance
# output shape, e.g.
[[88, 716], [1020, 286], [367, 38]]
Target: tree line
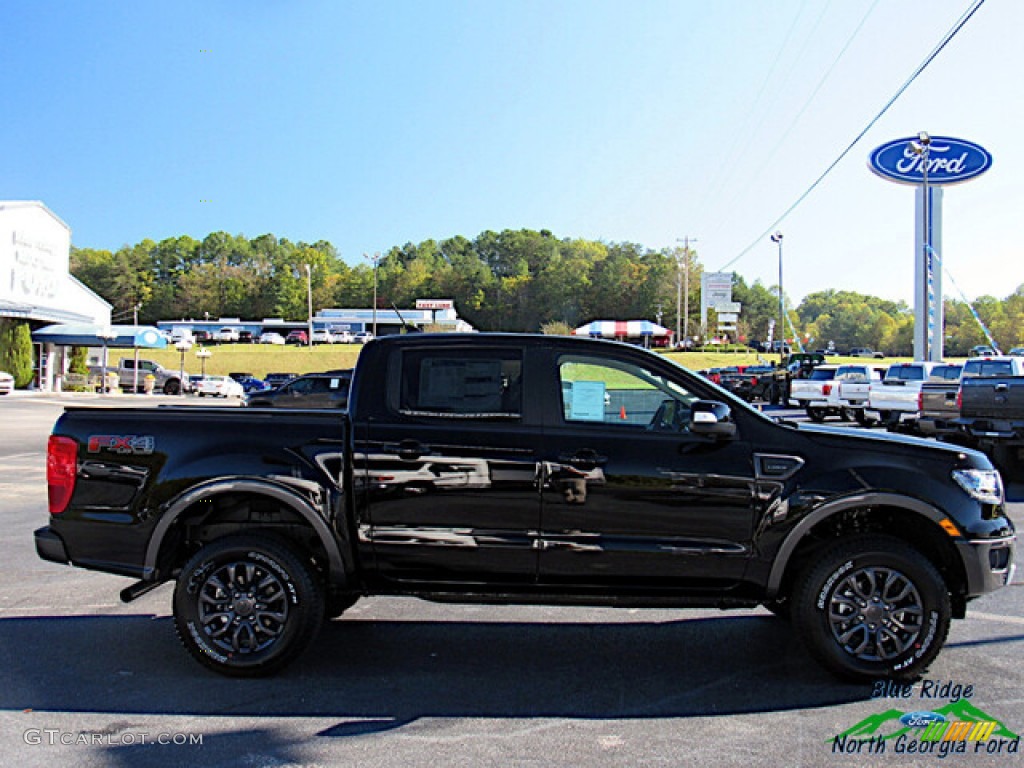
[[513, 280]]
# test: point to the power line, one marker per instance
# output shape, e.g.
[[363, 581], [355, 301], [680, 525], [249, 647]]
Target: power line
[[921, 67], [810, 99], [732, 155]]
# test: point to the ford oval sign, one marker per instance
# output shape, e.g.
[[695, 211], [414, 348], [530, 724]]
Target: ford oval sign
[[950, 161], [921, 719]]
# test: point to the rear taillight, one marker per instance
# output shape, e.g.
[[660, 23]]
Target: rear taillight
[[753, 381], [959, 399], [826, 390], [61, 469], [920, 401]]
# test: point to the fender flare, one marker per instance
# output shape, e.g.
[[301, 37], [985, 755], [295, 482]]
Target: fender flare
[[210, 489], [827, 510]]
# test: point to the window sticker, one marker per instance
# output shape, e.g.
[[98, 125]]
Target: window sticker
[[587, 401]]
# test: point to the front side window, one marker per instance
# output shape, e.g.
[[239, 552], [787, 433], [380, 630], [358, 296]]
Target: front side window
[[462, 384], [611, 392]]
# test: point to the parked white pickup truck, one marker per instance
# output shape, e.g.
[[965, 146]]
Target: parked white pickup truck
[[854, 386], [894, 400], [817, 394]]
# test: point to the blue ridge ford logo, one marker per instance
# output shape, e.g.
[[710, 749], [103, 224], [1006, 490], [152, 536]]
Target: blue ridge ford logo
[[950, 161]]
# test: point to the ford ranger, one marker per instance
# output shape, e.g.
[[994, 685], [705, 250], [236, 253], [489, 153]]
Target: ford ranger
[[526, 469]]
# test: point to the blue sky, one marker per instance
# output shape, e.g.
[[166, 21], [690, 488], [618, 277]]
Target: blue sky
[[372, 124]]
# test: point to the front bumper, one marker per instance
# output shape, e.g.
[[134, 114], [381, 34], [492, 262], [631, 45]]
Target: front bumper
[[50, 546], [989, 563]]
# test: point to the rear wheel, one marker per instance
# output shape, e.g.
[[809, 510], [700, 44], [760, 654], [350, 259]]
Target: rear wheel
[[870, 607], [862, 418], [246, 606], [172, 387], [815, 414]]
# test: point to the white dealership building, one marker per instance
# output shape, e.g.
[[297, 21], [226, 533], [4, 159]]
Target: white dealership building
[[36, 284]]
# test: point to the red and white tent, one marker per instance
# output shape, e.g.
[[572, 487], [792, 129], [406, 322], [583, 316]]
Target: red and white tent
[[621, 329]]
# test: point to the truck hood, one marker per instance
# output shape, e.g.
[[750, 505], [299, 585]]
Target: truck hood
[[889, 441]]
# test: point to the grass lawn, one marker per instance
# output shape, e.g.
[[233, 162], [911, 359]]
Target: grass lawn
[[261, 359], [257, 359]]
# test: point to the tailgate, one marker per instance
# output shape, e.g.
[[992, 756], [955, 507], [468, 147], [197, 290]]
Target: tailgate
[[896, 396], [999, 397], [939, 403]]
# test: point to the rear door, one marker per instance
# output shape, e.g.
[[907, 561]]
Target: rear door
[[448, 467]]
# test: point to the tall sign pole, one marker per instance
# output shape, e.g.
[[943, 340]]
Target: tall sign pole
[[683, 291], [777, 238], [929, 163]]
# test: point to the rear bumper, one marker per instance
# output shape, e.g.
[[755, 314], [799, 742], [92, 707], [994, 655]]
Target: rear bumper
[[989, 564], [50, 546], [896, 417]]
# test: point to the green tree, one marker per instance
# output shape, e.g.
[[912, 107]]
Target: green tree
[[16, 351]]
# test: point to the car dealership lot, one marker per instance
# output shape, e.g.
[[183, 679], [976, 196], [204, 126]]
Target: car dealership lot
[[90, 681]]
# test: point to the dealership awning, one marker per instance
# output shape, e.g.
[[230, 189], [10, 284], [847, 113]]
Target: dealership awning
[[88, 335], [615, 329]]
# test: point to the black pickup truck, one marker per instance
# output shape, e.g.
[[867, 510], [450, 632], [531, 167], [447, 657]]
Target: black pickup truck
[[526, 469], [992, 408]]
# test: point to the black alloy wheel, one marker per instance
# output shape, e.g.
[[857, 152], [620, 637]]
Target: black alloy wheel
[[247, 605]]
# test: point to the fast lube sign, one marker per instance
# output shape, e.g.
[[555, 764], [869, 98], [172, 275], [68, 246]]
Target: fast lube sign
[[929, 163]]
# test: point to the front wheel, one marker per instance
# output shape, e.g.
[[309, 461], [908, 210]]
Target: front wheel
[[246, 606], [871, 607], [172, 387]]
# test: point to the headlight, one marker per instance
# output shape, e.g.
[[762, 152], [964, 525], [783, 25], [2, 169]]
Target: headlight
[[985, 485]]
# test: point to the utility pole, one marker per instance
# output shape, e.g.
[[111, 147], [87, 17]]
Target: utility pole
[[683, 291]]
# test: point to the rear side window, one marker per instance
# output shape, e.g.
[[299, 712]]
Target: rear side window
[[461, 384]]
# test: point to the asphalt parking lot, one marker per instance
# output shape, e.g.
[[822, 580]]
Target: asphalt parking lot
[[89, 681]]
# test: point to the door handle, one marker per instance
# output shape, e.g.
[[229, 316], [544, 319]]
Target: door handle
[[1002, 386], [409, 450], [585, 460]]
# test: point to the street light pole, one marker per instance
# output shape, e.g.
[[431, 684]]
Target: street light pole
[[376, 260], [777, 238], [203, 354], [106, 335], [309, 307], [922, 148], [182, 346]]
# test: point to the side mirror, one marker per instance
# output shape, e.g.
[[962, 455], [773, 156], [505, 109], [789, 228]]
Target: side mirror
[[712, 418]]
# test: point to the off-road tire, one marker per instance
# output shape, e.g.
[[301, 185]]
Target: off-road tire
[[247, 605], [870, 607], [816, 414]]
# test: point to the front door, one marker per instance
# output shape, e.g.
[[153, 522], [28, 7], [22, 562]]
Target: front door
[[631, 498]]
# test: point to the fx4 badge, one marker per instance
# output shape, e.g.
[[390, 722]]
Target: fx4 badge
[[136, 444]]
